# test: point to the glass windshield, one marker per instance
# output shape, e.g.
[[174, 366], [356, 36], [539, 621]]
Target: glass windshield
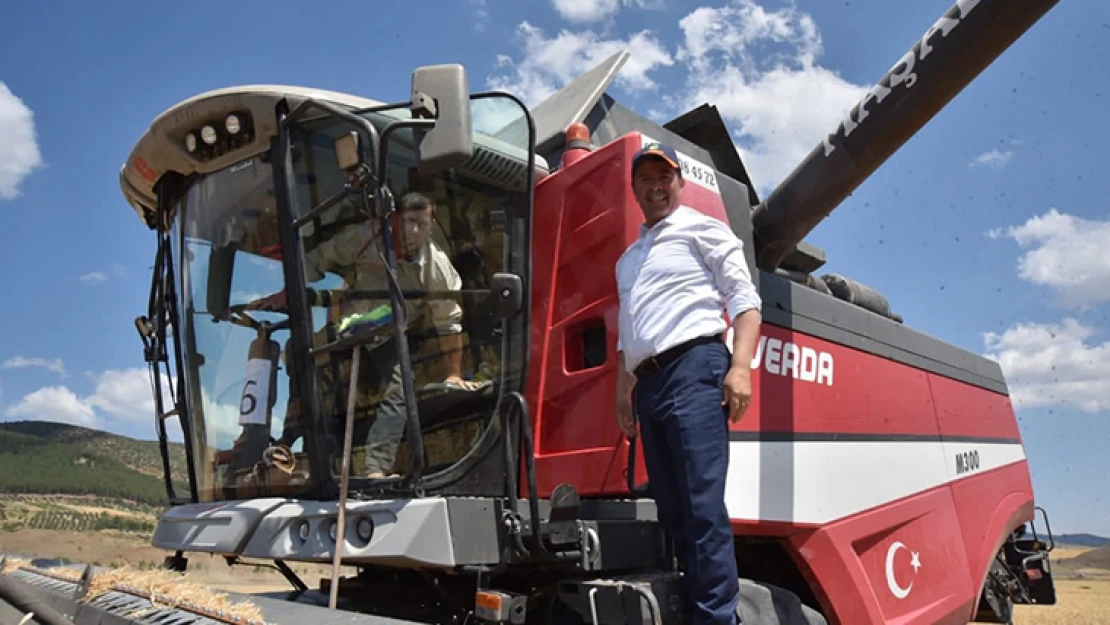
[[451, 233], [228, 252]]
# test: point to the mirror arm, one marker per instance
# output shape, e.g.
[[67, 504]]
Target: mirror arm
[[390, 128], [424, 105], [367, 149], [321, 207]]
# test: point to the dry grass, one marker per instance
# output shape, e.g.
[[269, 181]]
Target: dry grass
[[1082, 592], [1078, 602], [164, 589], [13, 564], [1068, 552], [115, 549]]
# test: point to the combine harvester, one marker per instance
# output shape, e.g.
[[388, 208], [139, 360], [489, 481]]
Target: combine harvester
[[879, 476]]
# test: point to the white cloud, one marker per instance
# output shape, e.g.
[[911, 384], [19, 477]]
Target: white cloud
[[586, 11], [550, 62], [481, 14], [126, 395], [19, 150], [1053, 364], [759, 67], [994, 158], [22, 362], [93, 277], [1065, 363], [1065, 253], [54, 403], [118, 395]]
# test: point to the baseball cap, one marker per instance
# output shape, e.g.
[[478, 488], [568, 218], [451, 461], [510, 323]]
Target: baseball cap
[[661, 150]]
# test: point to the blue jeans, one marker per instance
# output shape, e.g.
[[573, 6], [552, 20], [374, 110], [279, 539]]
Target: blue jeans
[[684, 433]]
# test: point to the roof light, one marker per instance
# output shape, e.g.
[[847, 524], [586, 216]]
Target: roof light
[[232, 124], [577, 144], [208, 135], [578, 132]]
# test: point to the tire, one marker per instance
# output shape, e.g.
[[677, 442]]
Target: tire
[[995, 606], [767, 604]]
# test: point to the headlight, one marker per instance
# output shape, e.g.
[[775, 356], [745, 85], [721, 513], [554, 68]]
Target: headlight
[[208, 135], [232, 124], [191, 142], [365, 529]]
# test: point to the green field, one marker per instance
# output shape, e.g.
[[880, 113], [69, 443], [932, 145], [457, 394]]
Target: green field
[[42, 457]]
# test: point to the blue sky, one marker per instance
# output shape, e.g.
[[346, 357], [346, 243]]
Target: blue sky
[[988, 229]]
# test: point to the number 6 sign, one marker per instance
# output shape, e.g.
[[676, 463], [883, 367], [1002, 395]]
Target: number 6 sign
[[252, 403]]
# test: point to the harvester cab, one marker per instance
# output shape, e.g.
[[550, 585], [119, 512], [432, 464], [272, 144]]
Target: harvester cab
[[387, 331], [343, 261]]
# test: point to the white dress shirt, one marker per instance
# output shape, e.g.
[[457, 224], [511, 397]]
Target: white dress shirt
[[675, 282]]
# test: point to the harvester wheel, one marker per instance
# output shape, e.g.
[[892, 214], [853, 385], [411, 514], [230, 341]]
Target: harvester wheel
[[767, 604], [995, 603]]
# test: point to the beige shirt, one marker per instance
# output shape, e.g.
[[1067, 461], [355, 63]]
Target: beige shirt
[[430, 270]]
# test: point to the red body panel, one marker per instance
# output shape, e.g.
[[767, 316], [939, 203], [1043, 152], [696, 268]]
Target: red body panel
[[802, 416], [859, 394], [964, 410], [848, 558]]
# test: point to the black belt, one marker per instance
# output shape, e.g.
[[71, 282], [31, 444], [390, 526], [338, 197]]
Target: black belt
[[653, 364]]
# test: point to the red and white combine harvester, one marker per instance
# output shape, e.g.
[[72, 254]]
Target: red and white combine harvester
[[879, 475]]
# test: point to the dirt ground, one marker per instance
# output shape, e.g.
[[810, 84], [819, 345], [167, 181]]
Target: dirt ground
[[1083, 592], [1079, 602], [115, 549]]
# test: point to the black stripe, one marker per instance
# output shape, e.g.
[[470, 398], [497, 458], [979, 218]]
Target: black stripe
[[846, 437], [802, 309]]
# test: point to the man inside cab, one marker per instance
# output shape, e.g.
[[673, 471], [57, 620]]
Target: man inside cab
[[420, 265]]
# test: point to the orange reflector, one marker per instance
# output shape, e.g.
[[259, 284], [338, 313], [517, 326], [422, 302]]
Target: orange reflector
[[578, 132], [488, 600]]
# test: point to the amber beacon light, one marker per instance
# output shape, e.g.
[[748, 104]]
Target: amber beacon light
[[578, 143]]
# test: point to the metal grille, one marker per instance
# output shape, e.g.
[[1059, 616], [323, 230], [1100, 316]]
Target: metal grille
[[135, 610], [497, 169]]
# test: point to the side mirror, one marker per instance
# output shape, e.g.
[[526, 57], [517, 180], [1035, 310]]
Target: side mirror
[[347, 154], [221, 266], [508, 294], [441, 92]]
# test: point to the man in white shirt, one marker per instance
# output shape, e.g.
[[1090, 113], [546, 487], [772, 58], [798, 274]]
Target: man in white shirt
[[675, 373]]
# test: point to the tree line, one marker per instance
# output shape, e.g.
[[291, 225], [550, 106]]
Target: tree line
[[33, 465]]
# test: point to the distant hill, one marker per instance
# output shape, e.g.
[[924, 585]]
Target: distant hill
[[47, 457], [1082, 540], [1096, 558]]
